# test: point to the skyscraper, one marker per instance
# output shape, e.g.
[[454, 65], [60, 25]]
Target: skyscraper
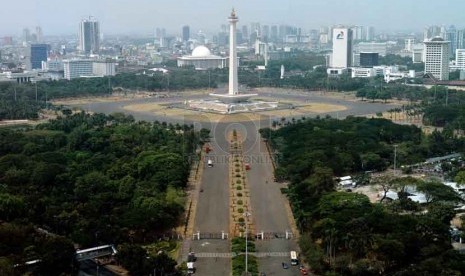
[[26, 35], [39, 34], [437, 58], [342, 48], [89, 36], [186, 33], [39, 53], [461, 39], [370, 34], [451, 35]]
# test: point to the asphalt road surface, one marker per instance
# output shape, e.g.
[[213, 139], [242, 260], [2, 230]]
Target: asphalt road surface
[[90, 268], [212, 216]]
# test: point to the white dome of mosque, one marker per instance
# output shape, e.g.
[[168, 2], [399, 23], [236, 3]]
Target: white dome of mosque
[[201, 51]]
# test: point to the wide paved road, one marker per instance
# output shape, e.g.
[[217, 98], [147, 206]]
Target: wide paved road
[[212, 215], [268, 203]]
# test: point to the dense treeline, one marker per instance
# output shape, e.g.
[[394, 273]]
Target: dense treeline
[[92, 179], [351, 145], [18, 102], [345, 234]]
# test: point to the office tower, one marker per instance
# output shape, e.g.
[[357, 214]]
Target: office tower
[[368, 60], [437, 58], [274, 33], [39, 53], [451, 35], [39, 34], [461, 39], [431, 31], [255, 28], [282, 32], [409, 42], [89, 36], [245, 32], [265, 32], [460, 58], [342, 48], [370, 34], [186, 33], [358, 32], [26, 35]]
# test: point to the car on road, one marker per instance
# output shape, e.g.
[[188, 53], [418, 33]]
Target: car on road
[[285, 265], [210, 163]]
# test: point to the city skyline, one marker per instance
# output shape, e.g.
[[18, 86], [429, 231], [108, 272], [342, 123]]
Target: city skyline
[[142, 16]]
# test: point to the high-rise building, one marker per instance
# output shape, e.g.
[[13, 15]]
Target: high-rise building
[[39, 34], [39, 53], [186, 33], [451, 35], [431, 31], [358, 33], [460, 58], [342, 48], [265, 32], [370, 34], [461, 39], [26, 35], [409, 42], [437, 58], [274, 33], [89, 36], [245, 32], [255, 28]]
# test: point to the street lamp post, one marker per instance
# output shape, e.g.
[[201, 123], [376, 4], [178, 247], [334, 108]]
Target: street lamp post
[[246, 214]]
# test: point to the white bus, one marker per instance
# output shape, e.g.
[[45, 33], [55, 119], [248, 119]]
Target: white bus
[[294, 260]]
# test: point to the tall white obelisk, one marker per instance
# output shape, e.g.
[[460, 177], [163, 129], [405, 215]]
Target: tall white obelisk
[[233, 83]]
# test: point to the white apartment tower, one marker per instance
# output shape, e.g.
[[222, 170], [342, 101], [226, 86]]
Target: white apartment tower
[[89, 36], [342, 48], [437, 58], [460, 58]]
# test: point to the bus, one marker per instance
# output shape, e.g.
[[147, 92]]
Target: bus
[[294, 260]]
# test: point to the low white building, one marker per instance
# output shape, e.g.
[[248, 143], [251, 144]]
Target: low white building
[[77, 68], [358, 72], [336, 71], [104, 68]]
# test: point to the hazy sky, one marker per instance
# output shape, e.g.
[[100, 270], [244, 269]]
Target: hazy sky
[[142, 16]]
